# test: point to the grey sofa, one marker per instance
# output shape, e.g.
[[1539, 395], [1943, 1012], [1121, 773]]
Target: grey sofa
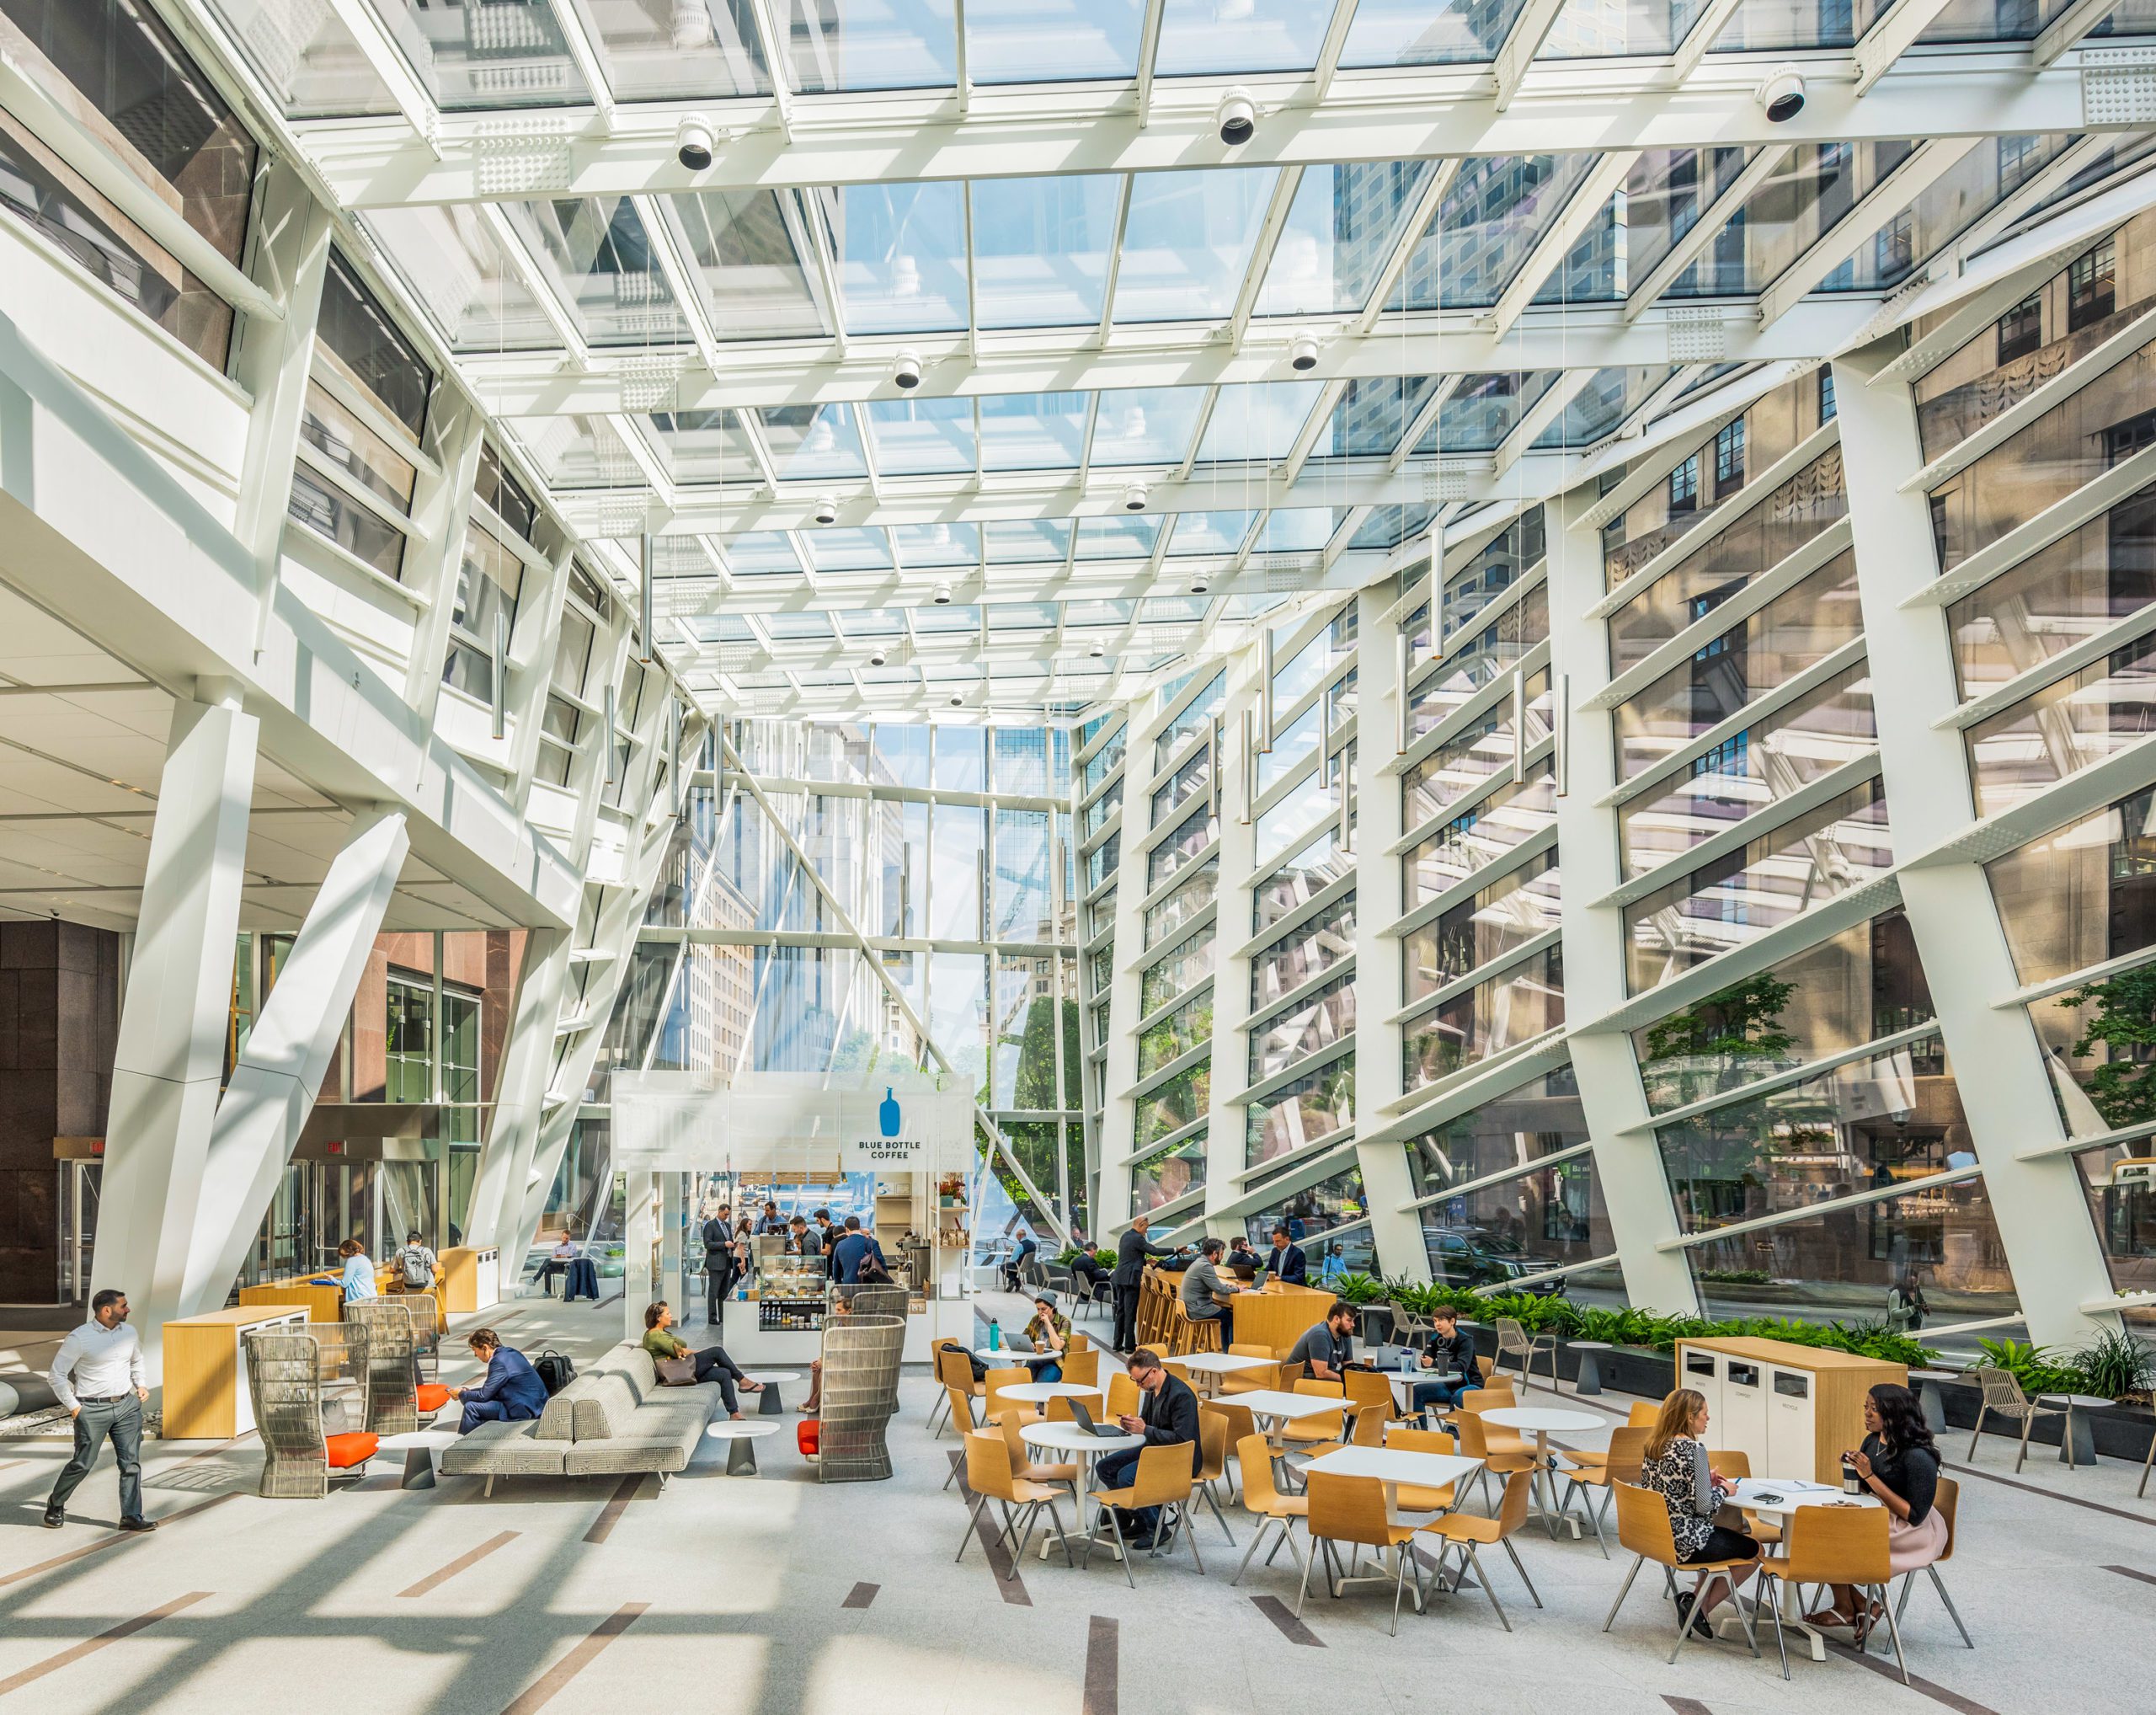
[[612, 1420]]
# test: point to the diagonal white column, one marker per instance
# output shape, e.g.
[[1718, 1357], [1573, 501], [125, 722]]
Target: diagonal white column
[[519, 1090], [273, 1087], [1627, 1163], [170, 1057], [1998, 1064]]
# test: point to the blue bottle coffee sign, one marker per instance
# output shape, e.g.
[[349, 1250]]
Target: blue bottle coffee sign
[[887, 1114]]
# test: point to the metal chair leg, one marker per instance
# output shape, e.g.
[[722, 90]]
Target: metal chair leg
[[1264, 1526], [1206, 1489], [973, 1523], [2028, 1423], [1520, 1567], [1978, 1435], [1953, 1613], [1187, 1522], [1894, 1633], [1482, 1578], [1055, 1519], [1624, 1590], [1781, 1642], [1303, 1592]]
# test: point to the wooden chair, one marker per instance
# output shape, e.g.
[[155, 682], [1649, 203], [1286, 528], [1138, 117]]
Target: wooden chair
[[1123, 1396], [1163, 1479], [989, 1475], [1367, 1390], [1317, 1435], [1263, 1501], [1514, 1339], [1242, 1425], [1466, 1532], [1082, 1367], [1737, 1465], [1833, 1545], [1415, 1496], [1026, 1468], [1213, 1464], [1618, 1463], [2003, 1394], [1351, 1510], [961, 1412], [2148, 1459], [954, 1370], [1251, 1380], [1502, 1455], [995, 1404], [1947, 1499], [1643, 1527]]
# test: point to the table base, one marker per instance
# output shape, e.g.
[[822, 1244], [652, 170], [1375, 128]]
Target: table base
[[418, 1468]]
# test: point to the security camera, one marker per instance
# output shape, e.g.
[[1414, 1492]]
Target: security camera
[[1198, 586], [1782, 95], [957, 699], [905, 370], [1098, 649], [693, 142], [942, 596], [1133, 497], [1237, 117], [875, 656], [827, 509], [1303, 353]]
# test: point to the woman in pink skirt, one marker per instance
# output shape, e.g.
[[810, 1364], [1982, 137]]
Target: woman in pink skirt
[[1898, 1464]]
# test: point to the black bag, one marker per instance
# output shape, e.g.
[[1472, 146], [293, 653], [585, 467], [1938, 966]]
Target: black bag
[[555, 1371]]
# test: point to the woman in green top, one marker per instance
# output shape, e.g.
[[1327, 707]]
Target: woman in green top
[[1050, 1332], [711, 1361]]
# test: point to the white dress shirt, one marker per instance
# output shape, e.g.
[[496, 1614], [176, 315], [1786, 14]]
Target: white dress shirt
[[96, 1362]]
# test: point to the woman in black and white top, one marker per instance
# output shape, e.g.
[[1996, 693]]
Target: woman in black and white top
[[1674, 1465], [1899, 1465]]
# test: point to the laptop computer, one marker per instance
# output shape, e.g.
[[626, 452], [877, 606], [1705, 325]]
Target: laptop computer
[[1083, 1418]]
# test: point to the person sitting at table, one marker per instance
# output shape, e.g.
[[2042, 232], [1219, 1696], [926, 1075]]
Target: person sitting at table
[[1206, 1296], [1899, 1464], [1285, 1261], [1327, 1348], [1449, 1352], [1166, 1417], [1086, 1267], [711, 1361], [1673, 1464], [512, 1391], [556, 1264], [1242, 1259], [1050, 1332], [358, 1281]]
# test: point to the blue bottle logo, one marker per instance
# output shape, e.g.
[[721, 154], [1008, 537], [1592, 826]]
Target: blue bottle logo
[[887, 1114]]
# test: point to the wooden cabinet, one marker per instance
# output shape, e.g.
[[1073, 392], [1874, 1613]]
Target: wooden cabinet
[[206, 1396], [470, 1279], [1790, 1410]]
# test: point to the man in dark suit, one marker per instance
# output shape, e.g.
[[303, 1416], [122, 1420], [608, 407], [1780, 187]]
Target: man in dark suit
[[1130, 1254], [718, 1263], [1285, 1261], [1167, 1417]]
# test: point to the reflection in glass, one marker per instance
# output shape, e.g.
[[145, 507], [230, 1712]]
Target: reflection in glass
[[1202, 36], [1540, 1117], [1516, 1006], [1168, 1174], [1313, 1106], [1186, 242], [455, 266], [1297, 879], [1508, 913], [1334, 1202], [1342, 227], [2064, 728], [486, 53], [600, 257], [1508, 817], [754, 286], [872, 45], [902, 257], [1304, 952], [1315, 1023], [683, 49]]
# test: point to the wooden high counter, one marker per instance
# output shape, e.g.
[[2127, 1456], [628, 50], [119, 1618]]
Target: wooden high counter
[[1277, 1316], [206, 1396], [322, 1303], [1791, 1409]]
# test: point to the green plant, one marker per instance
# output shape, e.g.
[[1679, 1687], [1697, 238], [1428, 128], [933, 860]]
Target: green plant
[[1352, 1288], [2115, 1363], [1737, 1277], [2030, 1366], [2123, 1089]]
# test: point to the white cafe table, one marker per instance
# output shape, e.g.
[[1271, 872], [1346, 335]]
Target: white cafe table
[[1281, 1407], [1208, 1367], [422, 1449], [1071, 1441], [1790, 1495], [1040, 1392], [1003, 1358], [1393, 1466], [1542, 1422], [1405, 1382]]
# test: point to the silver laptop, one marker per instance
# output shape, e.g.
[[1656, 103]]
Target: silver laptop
[[1083, 1418]]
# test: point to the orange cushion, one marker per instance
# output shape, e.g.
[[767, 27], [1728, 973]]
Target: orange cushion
[[808, 1435], [356, 1447], [433, 1396]]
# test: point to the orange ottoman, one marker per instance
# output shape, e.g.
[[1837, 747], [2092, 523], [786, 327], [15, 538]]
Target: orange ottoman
[[354, 1448], [809, 1437], [432, 1396]]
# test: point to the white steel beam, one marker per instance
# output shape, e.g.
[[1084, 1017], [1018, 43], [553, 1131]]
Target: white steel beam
[[414, 99], [287, 1055], [1330, 50], [513, 1129], [1888, 38], [1392, 114], [1712, 19], [1148, 50], [1604, 179], [1764, 163], [1522, 43], [1277, 210], [2066, 30]]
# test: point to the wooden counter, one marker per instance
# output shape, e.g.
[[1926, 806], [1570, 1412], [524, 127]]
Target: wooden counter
[[322, 1303], [1277, 1316], [1790, 1410], [206, 1396], [470, 1279]]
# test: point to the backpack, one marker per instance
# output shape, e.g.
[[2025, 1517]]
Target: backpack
[[417, 1274], [555, 1371]]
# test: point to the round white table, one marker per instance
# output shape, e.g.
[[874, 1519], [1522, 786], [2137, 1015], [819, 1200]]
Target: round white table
[[1542, 1422], [1040, 1392], [741, 1436], [1070, 1439], [1003, 1358], [1790, 1495], [768, 1403], [1205, 1369], [1405, 1382], [2077, 1446], [423, 1450]]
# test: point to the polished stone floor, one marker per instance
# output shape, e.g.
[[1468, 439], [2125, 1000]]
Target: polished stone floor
[[780, 1596]]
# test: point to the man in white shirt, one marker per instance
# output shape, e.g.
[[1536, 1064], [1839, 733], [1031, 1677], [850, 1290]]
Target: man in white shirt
[[97, 1375]]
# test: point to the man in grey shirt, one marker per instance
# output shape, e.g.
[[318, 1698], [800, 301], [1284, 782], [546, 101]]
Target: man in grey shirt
[[1206, 1295], [1326, 1349]]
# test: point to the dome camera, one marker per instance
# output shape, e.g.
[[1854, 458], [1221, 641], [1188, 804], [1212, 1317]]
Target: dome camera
[[1303, 353], [906, 370], [1782, 95], [693, 142], [827, 509], [1237, 117], [957, 699], [875, 656], [1133, 497], [942, 596], [1199, 585]]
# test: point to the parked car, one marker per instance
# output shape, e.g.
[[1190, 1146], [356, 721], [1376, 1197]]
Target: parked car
[[1474, 1256]]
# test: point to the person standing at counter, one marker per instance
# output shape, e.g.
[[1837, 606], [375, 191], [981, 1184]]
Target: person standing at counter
[[852, 1251], [718, 1262], [1130, 1253], [359, 1273]]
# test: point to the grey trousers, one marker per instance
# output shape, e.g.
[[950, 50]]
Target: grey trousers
[[122, 1420]]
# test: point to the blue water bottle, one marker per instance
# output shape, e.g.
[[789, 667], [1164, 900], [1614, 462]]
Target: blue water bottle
[[995, 1336]]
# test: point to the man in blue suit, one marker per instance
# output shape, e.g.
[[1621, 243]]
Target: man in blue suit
[[848, 1255], [512, 1391], [1285, 1261]]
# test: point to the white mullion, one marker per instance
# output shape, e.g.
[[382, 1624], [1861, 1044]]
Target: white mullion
[[1766, 160], [1276, 211], [1713, 17], [776, 63], [1330, 50], [752, 431], [1205, 410], [973, 284], [656, 476], [864, 428], [1659, 398], [1522, 43], [1427, 203], [578, 40], [1085, 464], [1897, 30], [1426, 417], [540, 283], [371, 36], [2066, 30], [1570, 384], [799, 219], [961, 68], [1931, 162], [1315, 424], [827, 270], [1604, 180], [1114, 264], [2037, 188], [1149, 49], [683, 278]]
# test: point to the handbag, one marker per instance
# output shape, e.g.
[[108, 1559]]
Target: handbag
[[676, 1372]]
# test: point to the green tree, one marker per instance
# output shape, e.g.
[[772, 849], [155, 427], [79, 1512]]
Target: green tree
[[2124, 1087]]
